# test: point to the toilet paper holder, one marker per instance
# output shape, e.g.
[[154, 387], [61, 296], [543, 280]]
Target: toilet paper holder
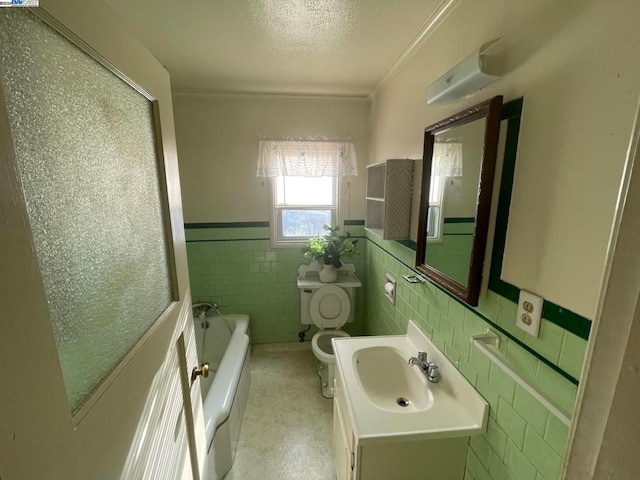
[[390, 288], [417, 278]]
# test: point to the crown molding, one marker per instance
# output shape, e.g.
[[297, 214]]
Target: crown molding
[[432, 23], [273, 96]]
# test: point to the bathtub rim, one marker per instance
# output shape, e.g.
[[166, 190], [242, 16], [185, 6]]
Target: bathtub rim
[[218, 401]]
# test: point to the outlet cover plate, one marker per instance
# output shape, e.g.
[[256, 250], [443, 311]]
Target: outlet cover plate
[[529, 312]]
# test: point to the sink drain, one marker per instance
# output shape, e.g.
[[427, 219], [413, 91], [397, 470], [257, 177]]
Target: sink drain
[[403, 402]]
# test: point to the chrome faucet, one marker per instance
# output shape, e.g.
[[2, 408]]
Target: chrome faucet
[[429, 369], [201, 309], [421, 360]]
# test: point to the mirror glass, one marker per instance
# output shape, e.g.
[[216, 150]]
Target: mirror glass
[[457, 181], [453, 194]]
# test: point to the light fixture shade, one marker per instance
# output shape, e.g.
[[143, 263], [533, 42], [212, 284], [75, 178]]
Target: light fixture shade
[[463, 80]]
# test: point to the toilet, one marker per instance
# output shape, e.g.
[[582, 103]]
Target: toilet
[[328, 306]]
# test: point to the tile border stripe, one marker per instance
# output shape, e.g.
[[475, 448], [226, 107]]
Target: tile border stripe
[[189, 226], [226, 240], [195, 225], [459, 220], [409, 243]]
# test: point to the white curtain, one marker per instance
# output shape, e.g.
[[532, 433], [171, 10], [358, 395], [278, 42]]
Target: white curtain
[[306, 157], [447, 158]]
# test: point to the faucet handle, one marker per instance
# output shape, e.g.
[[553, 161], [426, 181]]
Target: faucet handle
[[433, 374], [422, 356]]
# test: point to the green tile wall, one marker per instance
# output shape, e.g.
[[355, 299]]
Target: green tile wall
[[523, 440], [238, 269]]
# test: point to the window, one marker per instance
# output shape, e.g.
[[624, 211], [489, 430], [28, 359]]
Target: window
[[434, 217], [447, 162], [304, 175], [302, 205]]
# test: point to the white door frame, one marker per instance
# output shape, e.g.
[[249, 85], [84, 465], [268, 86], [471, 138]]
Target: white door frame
[[604, 440]]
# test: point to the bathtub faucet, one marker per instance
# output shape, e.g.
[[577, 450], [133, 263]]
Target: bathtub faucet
[[201, 309]]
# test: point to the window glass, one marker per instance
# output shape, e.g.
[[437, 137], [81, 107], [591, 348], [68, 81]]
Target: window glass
[[304, 223], [302, 206], [318, 191], [434, 216]]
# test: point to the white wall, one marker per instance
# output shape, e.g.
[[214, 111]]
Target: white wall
[[218, 150], [575, 63]]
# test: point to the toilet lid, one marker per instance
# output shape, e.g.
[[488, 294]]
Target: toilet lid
[[330, 307]]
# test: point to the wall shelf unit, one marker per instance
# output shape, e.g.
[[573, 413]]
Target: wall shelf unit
[[389, 186]]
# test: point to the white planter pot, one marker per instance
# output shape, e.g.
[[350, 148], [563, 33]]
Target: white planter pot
[[328, 273]]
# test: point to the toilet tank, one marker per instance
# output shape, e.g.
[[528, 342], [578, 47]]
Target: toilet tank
[[309, 282]]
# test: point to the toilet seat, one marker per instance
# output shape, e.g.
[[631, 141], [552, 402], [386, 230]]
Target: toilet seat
[[322, 346], [330, 307]]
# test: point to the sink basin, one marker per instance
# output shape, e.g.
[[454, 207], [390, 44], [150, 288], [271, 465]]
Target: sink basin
[[374, 381], [390, 382]]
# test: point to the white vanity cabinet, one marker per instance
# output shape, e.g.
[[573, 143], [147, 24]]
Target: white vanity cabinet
[[343, 444], [388, 458], [390, 422]]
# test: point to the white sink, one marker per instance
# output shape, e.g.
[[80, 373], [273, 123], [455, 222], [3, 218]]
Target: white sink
[[374, 374], [390, 382]]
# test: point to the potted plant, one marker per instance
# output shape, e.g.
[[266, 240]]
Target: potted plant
[[328, 249]]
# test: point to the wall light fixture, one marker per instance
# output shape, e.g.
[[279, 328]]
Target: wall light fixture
[[463, 80]]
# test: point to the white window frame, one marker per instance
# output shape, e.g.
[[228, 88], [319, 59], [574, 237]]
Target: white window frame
[[436, 201], [277, 238]]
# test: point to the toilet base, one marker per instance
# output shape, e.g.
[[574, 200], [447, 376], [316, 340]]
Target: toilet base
[[322, 347], [326, 374]]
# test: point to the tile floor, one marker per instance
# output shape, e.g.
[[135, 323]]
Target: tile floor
[[287, 429]]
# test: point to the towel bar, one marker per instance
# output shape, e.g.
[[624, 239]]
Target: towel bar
[[482, 342]]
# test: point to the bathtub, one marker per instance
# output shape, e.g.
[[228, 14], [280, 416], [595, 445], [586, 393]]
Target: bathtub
[[225, 344]]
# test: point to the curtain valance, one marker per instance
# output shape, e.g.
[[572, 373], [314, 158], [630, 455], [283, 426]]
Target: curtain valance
[[306, 156], [447, 158]]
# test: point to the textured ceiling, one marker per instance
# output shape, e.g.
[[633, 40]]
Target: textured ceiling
[[334, 47]]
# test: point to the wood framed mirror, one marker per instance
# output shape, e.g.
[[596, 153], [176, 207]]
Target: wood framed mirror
[[459, 159]]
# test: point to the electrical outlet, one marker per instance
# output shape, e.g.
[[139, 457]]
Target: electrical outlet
[[529, 313]]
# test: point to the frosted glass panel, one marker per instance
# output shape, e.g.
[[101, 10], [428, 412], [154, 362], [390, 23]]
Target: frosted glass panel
[[85, 146]]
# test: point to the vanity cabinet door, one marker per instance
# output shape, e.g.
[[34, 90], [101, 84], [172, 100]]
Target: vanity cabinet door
[[341, 445]]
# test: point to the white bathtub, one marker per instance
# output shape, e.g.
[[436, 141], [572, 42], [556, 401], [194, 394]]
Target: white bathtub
[[226, 345]]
